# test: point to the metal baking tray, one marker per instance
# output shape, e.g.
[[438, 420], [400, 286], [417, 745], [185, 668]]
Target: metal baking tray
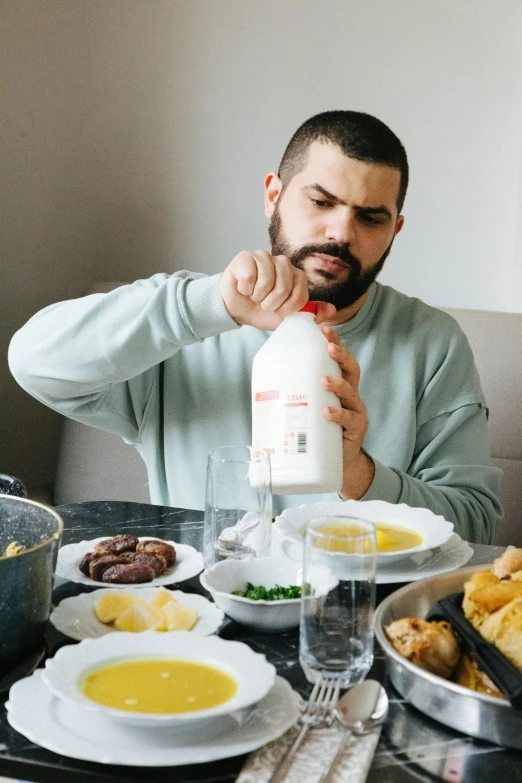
[[472, 713]]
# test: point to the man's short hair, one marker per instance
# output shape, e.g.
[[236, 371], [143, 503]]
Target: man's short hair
[[360, 136]]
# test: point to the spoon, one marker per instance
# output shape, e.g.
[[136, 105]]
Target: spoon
[[360, 711]]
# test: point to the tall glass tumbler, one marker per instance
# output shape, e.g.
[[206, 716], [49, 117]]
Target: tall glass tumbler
[[338, 599], [238, 504]]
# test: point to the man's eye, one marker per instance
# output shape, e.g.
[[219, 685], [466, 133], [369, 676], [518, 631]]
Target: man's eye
[[319, 203], [370, 220]]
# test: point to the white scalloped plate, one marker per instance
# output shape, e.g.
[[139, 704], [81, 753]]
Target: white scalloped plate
[[65, 671], [453, 554], [71, 731], [75, 616], [189, 563], [433, 529]]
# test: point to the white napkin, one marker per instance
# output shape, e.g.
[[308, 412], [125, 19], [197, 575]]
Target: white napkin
[[243, 537], [313, 757]]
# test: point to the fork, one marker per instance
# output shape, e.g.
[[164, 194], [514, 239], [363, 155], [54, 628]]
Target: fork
[[318, 711]]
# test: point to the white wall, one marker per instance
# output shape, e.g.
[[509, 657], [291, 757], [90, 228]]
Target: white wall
[[136, 135], [446, 76], [516, 300]]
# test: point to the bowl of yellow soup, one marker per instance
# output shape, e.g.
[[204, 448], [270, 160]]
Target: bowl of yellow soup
[[151, 679], [400, 530]]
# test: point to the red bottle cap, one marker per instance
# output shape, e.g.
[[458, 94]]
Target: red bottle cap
[[310, 307]]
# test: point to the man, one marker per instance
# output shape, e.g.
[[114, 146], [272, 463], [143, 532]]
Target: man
[[166, 362]]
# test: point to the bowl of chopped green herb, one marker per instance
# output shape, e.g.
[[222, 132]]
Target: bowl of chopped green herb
[[262, 593]]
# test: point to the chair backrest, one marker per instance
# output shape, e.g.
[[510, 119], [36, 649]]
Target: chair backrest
[[96, 465], [496, 341]]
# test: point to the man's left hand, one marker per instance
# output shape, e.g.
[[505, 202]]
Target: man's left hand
[[358, 468]]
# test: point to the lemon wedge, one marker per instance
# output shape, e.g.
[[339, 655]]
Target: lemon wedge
[[129, 613], [162, 598], [385, 542], [178, 617], [140, 616], [109, 607]]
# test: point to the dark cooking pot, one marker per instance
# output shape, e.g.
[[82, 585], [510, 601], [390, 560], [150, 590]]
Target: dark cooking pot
[[10, 485], [26, 579]]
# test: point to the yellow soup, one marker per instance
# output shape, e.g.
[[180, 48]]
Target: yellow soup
[[160, 686], [388, 538]]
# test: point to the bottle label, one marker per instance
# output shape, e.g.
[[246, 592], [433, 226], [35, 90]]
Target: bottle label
[[295, 422], [266, 396], [281, 423]]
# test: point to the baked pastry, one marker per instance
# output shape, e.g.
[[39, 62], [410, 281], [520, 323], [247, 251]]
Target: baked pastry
[[503, 628], [508, 563], [493, 604], [474, 611], [470, 676], [484, 595], [430, 645]]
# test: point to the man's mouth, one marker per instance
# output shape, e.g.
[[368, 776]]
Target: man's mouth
[[329, 263]]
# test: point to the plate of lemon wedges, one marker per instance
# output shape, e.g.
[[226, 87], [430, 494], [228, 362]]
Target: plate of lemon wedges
[[90, 615]]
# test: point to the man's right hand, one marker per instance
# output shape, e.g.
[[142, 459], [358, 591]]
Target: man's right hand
[[259, 289]]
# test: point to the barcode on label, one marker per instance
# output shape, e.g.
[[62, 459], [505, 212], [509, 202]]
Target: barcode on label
[[301, 442]]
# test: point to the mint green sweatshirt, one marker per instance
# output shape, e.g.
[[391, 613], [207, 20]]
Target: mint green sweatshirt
[[162, 364]]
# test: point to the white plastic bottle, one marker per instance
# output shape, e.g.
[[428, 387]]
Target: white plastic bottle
[[287, 401]]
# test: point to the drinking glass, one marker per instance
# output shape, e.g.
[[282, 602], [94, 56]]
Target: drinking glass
[[338, 599], [238, 504]]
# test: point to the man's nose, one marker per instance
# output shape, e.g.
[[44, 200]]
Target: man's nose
[[341, 228]]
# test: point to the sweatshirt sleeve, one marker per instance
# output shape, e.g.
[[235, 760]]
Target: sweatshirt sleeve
[[94, 358], [451, 474]]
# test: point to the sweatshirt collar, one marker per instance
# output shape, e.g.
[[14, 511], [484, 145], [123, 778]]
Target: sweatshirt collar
[[364, 313], [360, 318]]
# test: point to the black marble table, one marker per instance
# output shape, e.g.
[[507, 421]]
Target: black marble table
[[411, 748]]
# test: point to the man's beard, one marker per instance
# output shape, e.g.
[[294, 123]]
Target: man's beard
[[342, 294]]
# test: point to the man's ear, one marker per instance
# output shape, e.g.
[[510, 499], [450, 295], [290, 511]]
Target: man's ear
[[398, 225], [273, 188]]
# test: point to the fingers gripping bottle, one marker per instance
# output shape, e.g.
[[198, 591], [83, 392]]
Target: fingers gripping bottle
[[287, 407]]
